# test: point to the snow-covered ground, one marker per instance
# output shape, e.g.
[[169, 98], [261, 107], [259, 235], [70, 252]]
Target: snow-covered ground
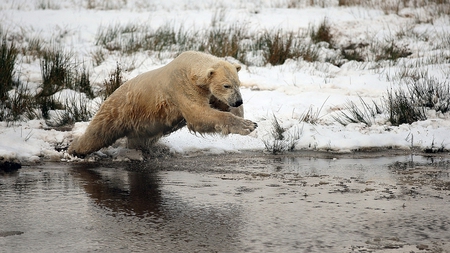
[[285, 91]]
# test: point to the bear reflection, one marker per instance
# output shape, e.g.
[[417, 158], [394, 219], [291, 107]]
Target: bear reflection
[[122, 191], [183, 225]]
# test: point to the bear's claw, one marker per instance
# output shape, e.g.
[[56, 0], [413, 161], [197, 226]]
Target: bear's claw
[[249, 126]]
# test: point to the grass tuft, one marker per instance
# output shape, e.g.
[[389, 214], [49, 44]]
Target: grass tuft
[[8, 60], [98, 56], [280, 140], [55, 70], [278, 47], [82, 82], [47, 5], [75, 110], [162, 38], [430, 93], [56, 75], [226, 41], [365, 115], [275, 144], [312, 116], [34, 47], [390, 51], [353, 52], [19, 106], [435, 149], [322, 33], [402, 109], [15, 99], [115, 81]]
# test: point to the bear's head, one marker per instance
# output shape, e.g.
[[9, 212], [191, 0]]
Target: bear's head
[[223, 83]]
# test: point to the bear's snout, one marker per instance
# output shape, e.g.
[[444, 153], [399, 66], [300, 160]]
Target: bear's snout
[[237, 103]]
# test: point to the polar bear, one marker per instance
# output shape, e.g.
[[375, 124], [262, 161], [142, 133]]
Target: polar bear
[[195, 89]]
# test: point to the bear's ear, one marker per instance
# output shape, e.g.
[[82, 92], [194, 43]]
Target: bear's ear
[[238, 67], [210, 72]]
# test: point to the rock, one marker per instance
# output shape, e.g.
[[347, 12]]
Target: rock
[[422, 247], [9, 166]]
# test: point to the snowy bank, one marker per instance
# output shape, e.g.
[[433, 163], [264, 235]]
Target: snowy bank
[[285, 92]]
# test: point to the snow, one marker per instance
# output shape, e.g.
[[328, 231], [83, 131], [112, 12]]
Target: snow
[[286, 91]]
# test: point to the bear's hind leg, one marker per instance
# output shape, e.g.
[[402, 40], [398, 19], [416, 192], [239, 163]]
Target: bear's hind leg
[[142, 143], [95, 138]]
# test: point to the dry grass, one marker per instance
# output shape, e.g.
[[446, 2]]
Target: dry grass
[[114, 81]]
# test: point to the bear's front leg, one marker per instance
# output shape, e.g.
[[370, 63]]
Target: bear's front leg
[[214, 121], [236, 125]]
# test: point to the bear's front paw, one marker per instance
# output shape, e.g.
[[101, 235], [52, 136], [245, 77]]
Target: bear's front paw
[[245, 127]]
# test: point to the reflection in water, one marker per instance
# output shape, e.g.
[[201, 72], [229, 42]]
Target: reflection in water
[[262, 205], [79, 209], [177, 221], [121, 191]]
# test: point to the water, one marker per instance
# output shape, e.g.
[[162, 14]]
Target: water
[[228, 204]]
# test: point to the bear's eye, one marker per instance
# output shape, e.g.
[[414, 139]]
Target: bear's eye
[[227, 86]]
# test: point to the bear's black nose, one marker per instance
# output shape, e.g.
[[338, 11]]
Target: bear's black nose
[[237, 103]]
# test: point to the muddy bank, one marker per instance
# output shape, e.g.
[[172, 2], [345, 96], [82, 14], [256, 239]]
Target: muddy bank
[[230, 203], [161, 156]]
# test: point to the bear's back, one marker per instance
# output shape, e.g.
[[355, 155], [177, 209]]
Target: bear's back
[[196, 60]]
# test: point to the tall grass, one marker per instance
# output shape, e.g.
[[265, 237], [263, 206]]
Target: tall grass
[[15, 99], [430, 93], [82, 82], [132, 38], [20, 105], [114, 81], [8, 60], [167, 38], [353, 114], [75, 109], [278, 47], [312, 116], [276, 143], [233, 40], [58, 72], [224, 41], [281, 139], [56, 75], [47, 5], [414, 92], [402, 108], [34, 48], [322, 33], [106, 4], [56, 69], [236, 40], [389, 51], [437, 7]]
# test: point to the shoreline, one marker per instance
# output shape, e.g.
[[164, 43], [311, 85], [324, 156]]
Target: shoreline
[[159, 155]]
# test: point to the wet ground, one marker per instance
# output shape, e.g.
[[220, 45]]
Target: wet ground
[[229, 203]]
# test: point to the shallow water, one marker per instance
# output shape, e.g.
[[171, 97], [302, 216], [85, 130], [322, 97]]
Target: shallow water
[[229, 204]]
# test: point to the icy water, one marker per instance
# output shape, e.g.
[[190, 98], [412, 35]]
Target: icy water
[[229, 203]]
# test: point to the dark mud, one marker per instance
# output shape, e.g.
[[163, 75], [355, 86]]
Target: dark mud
[[230, 203]]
